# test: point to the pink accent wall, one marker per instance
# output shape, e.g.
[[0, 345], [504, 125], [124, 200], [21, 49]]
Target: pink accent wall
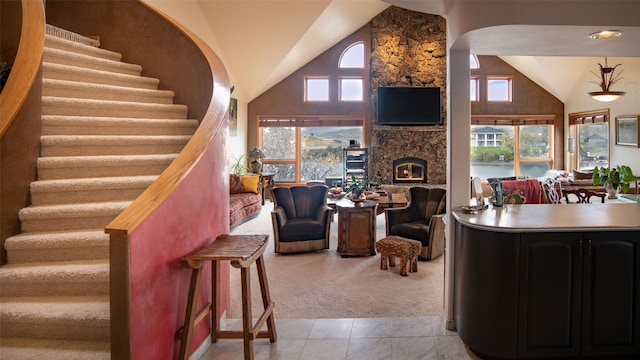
[[192, 217]]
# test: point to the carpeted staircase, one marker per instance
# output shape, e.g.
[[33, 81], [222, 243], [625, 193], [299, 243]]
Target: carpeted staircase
[[107, 133]]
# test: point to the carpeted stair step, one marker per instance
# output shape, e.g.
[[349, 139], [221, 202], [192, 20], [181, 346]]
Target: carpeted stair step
[[88, 125], [71, 36], [57, 246], [61, 145], [69, 217], [59, 278], [75, 191], [62, 57], [31, 349], [66, 317], [55, 42], [75, 73], [69, 167], [89, 107], [82, 90]]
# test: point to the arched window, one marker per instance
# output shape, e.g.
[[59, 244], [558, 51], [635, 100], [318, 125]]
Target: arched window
[[473, 62], [350, 84], [352, 57]]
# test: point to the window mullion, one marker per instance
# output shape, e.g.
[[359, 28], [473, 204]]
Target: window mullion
[[298, 154], [516, 151]]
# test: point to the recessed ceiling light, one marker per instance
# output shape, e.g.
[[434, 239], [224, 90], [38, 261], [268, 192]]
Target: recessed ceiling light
[[606, 34]]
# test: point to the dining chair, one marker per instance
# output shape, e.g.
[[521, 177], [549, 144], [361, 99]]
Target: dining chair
[[583, 195], [552, 191]]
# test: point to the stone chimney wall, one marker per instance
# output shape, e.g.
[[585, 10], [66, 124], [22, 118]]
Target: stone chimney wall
[[408, 49]]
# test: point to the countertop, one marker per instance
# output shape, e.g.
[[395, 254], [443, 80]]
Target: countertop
[[554, 217]]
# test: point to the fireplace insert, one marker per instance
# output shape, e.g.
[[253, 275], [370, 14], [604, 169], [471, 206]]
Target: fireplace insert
[[409, 170]]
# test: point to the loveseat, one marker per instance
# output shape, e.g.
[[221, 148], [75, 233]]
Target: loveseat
[[245, 198]]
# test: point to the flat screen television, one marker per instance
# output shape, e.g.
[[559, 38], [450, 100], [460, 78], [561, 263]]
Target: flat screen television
[[409, 106]]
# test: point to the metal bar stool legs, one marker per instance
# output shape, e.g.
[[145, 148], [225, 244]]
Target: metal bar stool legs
[[242, 251]]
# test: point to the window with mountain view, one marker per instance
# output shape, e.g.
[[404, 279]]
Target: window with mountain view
[[301, 148]]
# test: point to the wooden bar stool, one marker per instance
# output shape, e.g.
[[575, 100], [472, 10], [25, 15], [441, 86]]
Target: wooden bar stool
[[242, 251]]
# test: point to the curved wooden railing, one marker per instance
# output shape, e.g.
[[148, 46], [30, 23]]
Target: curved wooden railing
[[170, 52], [26, 65], [23, 31], [209, 129]]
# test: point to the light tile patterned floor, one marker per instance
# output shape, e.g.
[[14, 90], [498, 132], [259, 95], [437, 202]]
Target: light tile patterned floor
[[423, 338]]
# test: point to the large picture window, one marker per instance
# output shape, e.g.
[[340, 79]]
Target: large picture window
[[305, 148], [511, 146], [591, 129]]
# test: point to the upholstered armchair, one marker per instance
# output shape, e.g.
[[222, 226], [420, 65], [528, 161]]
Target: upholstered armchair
[[301, 218], [422, 219]]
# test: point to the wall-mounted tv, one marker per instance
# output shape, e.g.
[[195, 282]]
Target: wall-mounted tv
[[409, 106]]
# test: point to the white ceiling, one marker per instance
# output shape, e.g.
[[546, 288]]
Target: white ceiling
[[263, 41]]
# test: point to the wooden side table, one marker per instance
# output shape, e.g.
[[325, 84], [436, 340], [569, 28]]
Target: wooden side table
[[356, 227], [242, 251], [267, 183]]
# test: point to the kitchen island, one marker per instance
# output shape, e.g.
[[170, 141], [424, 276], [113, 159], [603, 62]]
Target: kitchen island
[[548, 281]]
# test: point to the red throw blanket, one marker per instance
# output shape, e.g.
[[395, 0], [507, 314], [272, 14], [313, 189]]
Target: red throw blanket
[[531, 189]]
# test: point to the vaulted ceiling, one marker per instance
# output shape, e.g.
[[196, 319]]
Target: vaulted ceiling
[[263, 41]]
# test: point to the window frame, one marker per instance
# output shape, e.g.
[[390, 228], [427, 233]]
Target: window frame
[[306, 88], [298, 122], [476, 80], [586, 118], [351, 77], [509, 79], [517, 121], [347, 50]]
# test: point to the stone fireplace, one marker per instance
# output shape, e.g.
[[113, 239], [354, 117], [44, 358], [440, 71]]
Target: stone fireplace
[[408, 49], [409, 170]]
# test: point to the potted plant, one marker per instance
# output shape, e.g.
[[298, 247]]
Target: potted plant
[[238, 167], [613, 179], [357, 188], [254, 155]]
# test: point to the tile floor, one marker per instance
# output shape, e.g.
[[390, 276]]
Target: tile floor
[[421, 338]]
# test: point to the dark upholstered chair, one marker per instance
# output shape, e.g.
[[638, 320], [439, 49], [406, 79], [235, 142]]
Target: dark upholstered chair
[[422, 220], [301, 218]]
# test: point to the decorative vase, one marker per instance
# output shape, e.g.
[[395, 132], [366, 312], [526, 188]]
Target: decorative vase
[[255, 166], [612, 193], [358, 198]]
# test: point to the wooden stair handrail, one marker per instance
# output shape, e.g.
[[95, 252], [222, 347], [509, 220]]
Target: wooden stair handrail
[[26, 65], [210, 126]]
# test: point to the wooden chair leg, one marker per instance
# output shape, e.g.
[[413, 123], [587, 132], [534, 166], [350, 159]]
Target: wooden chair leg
[[247, 321], [196, 274], [266, 298], [215, 289]]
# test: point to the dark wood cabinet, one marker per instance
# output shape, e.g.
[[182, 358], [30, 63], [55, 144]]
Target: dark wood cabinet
[[356, 228], [611, 293], [577, 294], [550, 292]]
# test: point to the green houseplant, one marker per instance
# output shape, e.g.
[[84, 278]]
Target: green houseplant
[[614, 179], [357, 187]]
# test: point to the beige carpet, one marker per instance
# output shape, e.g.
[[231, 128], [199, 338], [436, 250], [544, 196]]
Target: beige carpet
[[326, 285]]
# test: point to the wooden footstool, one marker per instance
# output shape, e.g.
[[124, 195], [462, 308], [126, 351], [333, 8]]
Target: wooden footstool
[[242, 251], [406, 249]]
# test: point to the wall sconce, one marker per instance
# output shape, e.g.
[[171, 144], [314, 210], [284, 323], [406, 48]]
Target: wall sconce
[[607, 77]]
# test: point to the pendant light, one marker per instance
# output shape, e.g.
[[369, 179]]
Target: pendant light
[[608, 77]]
